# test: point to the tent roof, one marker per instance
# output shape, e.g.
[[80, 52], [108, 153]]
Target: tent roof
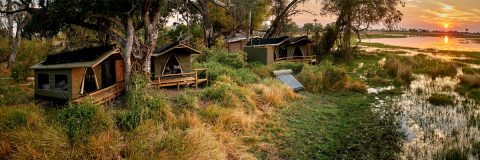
[[172, 46], [279, 41], [87, 57]]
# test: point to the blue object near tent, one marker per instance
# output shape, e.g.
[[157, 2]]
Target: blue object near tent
[[286, 77]]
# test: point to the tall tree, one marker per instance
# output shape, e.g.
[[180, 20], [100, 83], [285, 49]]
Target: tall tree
[[202, 6], [15, 24], [132, 24], [355, 16], [282, 9]]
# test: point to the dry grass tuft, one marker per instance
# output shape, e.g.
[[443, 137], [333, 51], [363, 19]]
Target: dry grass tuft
[[470, 80], [273, 93], [402, 71]]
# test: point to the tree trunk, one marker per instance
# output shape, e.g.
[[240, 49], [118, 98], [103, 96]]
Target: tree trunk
[[11, 38], [127, 53], [207, 24]]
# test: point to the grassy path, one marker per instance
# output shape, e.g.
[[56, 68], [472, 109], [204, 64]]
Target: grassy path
[[334, 126]]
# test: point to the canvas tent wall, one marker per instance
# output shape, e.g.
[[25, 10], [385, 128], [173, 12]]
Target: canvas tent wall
[[173, 56], [267, 51], [69, 75]]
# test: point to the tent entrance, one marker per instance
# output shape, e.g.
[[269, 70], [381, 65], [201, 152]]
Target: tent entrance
[[108, 73], [90, 83], [298, 52], [172, 66]]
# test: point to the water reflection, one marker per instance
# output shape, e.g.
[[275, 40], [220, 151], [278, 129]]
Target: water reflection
[[440, 43], [430, 129]]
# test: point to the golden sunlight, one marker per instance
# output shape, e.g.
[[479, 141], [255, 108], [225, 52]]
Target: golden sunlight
[[446, 25], [446, 40]]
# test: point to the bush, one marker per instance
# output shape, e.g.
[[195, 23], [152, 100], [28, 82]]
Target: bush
[[82, 120], [401, 71], [471, 81], [13, 94], [441, 99], [21, 71], [14, 119], [187, 101], [454, 154], [220, 62], [151, 140], [324, 77], [24, 134], [295, 67], [273, 93], [241, 75], [227, 93]]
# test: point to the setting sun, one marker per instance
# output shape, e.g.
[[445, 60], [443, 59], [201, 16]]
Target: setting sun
[[446, 25]]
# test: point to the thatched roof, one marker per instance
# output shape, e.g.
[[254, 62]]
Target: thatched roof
[[87, 57]]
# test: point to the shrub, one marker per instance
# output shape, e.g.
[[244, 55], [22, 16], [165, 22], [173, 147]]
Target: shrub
[[471, 81], [401, 71], [151, 140], [295, 67], [227, 93], [127, 120], [441, 99], [273, 93], [241, 75], [220, 62], [21, 71], [324, 77], [13, 120], [13, 94], [454, 154], [437, 70], [358, 86], [187, 101], [82, 120], [28, 136]]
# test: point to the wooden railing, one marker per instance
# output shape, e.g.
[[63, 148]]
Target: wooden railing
[[181, 79], [308, 59], [103, 95]]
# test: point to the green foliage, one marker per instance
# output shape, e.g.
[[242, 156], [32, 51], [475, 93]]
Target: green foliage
[[21, 71], [13, 119], [142, 104], [227, 93], [323, 77], [186, 100], [325, 42], [220, 62], [12, 94], [400, 69], [335, 125], [454, 154], [128, 119], [441, 99], [295, 67], [82, 120]]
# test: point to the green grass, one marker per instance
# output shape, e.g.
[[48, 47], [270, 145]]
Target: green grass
[[338, 125], [369, 36], [441, 99]]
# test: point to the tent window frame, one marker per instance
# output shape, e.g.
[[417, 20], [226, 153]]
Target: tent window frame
[[42, 78], [59, 86]]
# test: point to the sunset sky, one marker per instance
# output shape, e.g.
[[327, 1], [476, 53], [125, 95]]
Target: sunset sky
[[427, 14]]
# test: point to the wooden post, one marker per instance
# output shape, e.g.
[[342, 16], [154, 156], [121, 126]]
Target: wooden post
[[196, 79]]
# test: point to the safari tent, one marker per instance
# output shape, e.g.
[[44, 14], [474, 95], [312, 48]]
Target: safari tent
[[171, 65], [268, 51], [95, 72]]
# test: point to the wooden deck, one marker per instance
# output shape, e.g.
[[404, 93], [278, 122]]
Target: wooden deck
[[178, 80], [307, 59], [103, 95]]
